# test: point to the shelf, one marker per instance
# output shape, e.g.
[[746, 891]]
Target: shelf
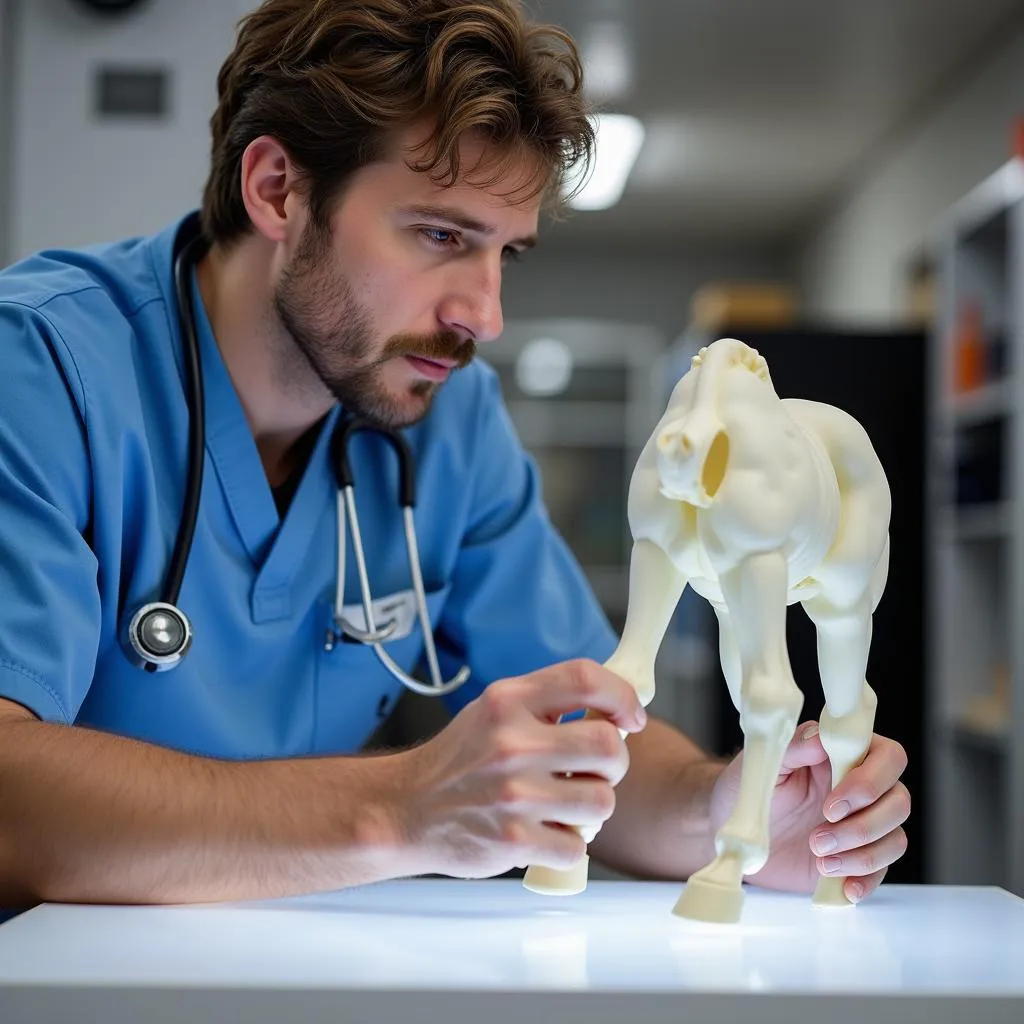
[[978, 522], [988, 402], [977, 756], [989, 200], [990, 741]]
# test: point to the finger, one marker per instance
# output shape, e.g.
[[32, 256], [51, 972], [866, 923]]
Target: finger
[[865, 827], [866, 860], [545, 843], [580, 803], [583, 684], [804, 750], [880, 770], [857, 889], [587, 747]]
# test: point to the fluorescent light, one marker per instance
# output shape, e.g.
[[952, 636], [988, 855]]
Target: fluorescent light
[[619, 138]]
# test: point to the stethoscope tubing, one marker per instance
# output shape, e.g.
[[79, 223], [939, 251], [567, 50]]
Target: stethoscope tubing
[[149, 626]]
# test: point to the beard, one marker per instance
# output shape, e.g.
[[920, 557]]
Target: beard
[[333, 336]]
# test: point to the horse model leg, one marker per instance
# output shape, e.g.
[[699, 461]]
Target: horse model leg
[[655, 586], [729, 655], [844, 637], [770, 701]]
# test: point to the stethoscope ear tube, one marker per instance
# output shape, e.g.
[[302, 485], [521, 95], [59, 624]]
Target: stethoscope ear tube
[[160, 633], [373, 635], [350, 425], [196, 420]]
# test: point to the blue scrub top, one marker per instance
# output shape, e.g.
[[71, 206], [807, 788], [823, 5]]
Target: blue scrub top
[[93, 462]]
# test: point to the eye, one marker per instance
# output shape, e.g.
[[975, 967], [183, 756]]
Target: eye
[[511, 255], [440, 238]]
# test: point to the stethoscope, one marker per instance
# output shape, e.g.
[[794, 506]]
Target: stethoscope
[[160, 633]]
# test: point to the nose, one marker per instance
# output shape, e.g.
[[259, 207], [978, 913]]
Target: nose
[[472, 304]]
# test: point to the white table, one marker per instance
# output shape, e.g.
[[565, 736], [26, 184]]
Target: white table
[[425, 951]]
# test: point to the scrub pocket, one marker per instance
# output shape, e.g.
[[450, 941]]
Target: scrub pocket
[[355, 693]]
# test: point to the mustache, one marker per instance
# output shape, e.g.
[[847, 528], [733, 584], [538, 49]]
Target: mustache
[[445, 345]]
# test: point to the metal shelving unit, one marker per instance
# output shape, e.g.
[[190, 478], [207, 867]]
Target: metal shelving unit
[[976, 544]]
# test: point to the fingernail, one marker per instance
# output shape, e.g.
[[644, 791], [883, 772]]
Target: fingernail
[[837, 811], [810, 732], [825, 842], [832, 865], [855, 892], [641, 717]]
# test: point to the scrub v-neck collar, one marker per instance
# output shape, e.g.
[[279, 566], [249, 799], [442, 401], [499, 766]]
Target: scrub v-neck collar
[[275, 546]]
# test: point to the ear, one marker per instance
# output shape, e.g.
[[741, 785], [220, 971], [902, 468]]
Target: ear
[[269, 180]]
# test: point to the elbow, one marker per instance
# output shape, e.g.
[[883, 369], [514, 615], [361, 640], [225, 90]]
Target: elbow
[[20, 886], [16, 891]]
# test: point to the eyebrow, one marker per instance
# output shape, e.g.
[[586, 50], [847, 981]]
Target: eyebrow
[[464, 221]]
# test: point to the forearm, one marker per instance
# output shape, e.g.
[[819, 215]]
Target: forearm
[[661, 825], [90, 817]]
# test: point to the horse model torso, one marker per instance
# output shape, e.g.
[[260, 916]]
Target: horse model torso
[[731, 470], [756, 502]]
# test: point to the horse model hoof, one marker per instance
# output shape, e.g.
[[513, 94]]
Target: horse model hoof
[[551, 882], [704, 900], [829, 893]]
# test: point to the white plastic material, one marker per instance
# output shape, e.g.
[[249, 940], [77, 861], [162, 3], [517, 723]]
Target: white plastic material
[[757, 503], [552, 882]]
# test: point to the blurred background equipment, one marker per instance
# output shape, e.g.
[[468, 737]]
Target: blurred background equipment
[[718, 306], [110, 7]]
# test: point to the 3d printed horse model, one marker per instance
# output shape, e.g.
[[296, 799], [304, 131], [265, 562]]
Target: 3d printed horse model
[[757, 503]]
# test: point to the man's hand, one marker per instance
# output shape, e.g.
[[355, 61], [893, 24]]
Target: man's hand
[[483, 795], [854, 831]]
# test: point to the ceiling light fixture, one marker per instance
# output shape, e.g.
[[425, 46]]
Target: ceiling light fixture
[[619, 138]]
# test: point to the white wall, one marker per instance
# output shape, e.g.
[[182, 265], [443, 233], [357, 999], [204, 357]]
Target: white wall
[[6, 100], [638, 285], [77, 180], [851, 267]]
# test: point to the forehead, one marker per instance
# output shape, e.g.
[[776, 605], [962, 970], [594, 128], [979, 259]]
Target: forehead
[[490, 177]]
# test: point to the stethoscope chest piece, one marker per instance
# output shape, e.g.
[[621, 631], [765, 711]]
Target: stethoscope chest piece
[[160, 634]]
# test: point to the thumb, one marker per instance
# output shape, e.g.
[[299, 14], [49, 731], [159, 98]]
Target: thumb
[[804, 750]]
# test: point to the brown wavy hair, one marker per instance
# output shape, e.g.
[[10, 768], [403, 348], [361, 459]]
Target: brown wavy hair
[[333, 80]]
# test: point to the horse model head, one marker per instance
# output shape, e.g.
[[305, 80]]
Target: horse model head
[[693, 439]]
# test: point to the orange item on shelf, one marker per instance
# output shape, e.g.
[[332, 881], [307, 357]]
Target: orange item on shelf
[[1017, 146], [990, 712], [969, 350]]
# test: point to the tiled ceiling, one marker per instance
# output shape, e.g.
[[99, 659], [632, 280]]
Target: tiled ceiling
[[758, 110]]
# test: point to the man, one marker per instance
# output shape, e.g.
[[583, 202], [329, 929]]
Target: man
[[374, 165]]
